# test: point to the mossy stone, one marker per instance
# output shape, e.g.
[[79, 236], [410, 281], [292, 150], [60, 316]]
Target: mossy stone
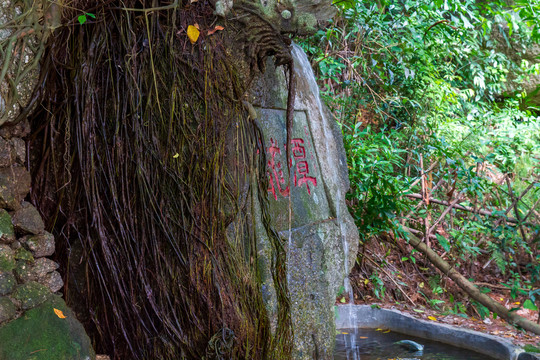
[[7, 258], [31, 294], [40, 334], [7, 310], [23, 254], [7, 283], [6, 227]]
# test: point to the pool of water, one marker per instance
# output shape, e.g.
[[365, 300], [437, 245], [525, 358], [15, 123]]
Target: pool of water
[[366, 344]]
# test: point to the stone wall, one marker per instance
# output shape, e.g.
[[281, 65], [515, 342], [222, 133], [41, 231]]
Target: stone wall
[[27, 275], [29, 280]]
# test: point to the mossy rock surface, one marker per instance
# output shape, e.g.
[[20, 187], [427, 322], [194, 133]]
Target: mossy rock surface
[[40, 334], [7, 234], [7, 258], [31, 294]]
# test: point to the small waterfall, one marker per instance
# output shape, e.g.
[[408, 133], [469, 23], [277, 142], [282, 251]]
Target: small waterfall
[[303, 68]]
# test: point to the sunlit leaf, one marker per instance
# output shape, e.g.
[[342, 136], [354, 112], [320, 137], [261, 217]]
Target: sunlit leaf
[[193, 34], [432, 318], [59, 313], [528, 304]]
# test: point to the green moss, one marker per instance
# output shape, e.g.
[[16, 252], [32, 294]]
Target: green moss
[[31, 294], [531, 348], [6, 227], [23, 254], [7, 261], [41, 335]]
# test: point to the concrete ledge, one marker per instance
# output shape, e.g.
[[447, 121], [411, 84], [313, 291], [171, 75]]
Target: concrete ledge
[[364, 316]]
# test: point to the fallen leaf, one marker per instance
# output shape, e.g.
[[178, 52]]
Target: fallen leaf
[[386, 332], [432, 318], [59, 313], [363, 337], [176, 155], [218, 27], [345, 333], [197, 26], [192, 33], [343, 300]]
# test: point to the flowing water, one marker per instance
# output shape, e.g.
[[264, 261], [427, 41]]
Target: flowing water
[[367, 344]]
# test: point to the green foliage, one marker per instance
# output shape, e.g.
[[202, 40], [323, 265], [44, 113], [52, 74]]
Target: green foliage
[[418, 85], [531, 348]]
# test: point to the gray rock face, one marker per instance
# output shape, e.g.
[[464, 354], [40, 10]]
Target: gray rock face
[[307, 205], [15, 184], [27, 220]]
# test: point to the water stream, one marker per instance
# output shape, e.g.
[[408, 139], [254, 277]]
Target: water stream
[[368, 344]]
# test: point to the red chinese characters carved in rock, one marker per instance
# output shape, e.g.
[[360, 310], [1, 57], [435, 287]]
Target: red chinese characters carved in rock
[[277, 181]]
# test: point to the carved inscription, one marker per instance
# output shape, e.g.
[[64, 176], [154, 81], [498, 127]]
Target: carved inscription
[[298, 164]]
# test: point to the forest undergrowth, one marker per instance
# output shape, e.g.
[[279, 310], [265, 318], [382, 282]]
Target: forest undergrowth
[[438, 149]]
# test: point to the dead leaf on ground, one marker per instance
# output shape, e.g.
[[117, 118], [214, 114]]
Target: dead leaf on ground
[[216, 28], [193, 33]]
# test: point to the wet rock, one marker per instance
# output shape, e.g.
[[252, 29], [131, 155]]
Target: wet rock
[[27, 220], [40, 245], [53, 281], [410, 345], [42, 329], [30, 295], [7, 258], [7, 234], [528, 356], [7, 283], [15, 184], [7, 310]]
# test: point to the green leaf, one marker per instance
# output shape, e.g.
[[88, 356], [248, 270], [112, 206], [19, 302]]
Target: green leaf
[[82, 19], [91, 15], [528, 304], [443, 242]]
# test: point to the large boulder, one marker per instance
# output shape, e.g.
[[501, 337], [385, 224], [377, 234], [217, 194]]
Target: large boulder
[[306, 205], [47, 332]]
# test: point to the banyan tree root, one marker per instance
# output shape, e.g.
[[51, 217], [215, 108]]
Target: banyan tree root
[[510, 316]]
